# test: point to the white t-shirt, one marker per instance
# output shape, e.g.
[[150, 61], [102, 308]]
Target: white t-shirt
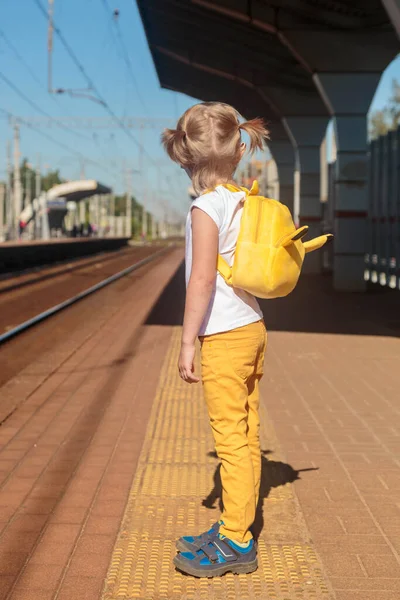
[[229, 307]]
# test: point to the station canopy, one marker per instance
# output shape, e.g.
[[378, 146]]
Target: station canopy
[[75, 191], [261, 55]]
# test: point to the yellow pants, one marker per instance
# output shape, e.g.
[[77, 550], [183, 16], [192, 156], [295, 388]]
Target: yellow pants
[[232, 366]]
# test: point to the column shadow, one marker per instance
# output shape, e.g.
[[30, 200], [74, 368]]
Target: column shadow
[[313, 307], [273, 474]]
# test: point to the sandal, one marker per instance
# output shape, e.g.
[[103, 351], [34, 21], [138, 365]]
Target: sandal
[[194, 543], [219, 556]]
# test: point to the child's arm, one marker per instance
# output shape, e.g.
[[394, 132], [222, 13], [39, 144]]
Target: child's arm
[[200, 287]]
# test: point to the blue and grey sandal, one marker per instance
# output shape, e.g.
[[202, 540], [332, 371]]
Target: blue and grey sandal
[[218, 557], [191, 543]]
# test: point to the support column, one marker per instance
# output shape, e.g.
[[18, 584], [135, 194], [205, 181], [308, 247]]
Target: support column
[[271, 179], [2, 210], [393, 10], [284, 156], [348, 97], [308, 133]]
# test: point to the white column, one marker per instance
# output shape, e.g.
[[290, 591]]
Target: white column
[[308, 133], [2, 210], [348, 97], [283, 154], [17, 190], [82, 212]]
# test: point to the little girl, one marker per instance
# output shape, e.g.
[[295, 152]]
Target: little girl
[[207, 144]]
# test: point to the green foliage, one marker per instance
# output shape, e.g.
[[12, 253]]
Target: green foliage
[[51, 179], [28, 180], [387, 119]]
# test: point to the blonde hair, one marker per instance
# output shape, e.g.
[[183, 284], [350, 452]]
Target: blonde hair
[[207, 141]]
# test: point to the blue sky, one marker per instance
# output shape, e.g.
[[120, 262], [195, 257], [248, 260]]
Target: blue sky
[[88, 27]]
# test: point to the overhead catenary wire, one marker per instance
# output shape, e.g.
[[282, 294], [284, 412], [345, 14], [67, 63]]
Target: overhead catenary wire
[[37, 108], [24, 63], [55, 141], [128, 62], [92, 86], [125, 55], [33, 104], [89, 81]]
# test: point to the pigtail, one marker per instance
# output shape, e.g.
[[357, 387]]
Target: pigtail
[[174, 142], [257, 132]]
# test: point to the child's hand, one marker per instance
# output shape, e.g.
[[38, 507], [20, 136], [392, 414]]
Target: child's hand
[[186, 363]]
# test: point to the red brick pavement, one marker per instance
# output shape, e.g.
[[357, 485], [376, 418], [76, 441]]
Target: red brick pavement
[[69, 450], [334, 400], [69, 453]]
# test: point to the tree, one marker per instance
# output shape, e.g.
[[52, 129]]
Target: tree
[[51, 179], [378, 124], [28, 180], [388, 118]]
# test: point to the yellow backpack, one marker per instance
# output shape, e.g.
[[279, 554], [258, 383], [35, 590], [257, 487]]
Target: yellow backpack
[[269, 250]]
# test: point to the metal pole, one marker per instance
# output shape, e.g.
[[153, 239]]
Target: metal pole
[[9, 202], [98, 219], [28, 188], [144, 182], [112, 214], [38, 189], [17, 192], [82, 212], [50, 47], [45, 219], [144, 222], [2, 210], [129, 203]]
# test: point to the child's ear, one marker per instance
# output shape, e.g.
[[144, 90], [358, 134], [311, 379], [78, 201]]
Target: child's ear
[[242, 149]]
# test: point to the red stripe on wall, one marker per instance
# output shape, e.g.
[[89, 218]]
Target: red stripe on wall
[[351, 214], [302, 219], [385, 219]]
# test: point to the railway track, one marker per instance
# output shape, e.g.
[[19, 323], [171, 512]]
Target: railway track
[[27, 310], [14, 331], [14, 281], [22, 301]]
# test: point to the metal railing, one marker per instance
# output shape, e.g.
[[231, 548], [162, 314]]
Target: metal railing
[[383, 220]]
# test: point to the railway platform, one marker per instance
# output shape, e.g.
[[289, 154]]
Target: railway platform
[[107, 457], [24, 254]]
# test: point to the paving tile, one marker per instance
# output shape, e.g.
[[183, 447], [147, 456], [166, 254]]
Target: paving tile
[[102, 525], [381, 566], [12, 562], [340, 563], [27, 593], [23, 522], [18, 541], [67, 532], [80, 587], [43, 577], [357, 524], [51, 553], [95, 544], [6, 581], [365, 583], [68, 514], [372, 595], [89, 564]]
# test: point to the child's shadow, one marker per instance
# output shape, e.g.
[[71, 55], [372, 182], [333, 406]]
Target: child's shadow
[[273, 474]]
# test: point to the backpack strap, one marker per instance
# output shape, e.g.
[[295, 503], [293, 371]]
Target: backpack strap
[[224, 270], [222, 266]]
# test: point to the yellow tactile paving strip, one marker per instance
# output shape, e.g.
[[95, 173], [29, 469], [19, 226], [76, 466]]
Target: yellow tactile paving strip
[[175, 473]]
